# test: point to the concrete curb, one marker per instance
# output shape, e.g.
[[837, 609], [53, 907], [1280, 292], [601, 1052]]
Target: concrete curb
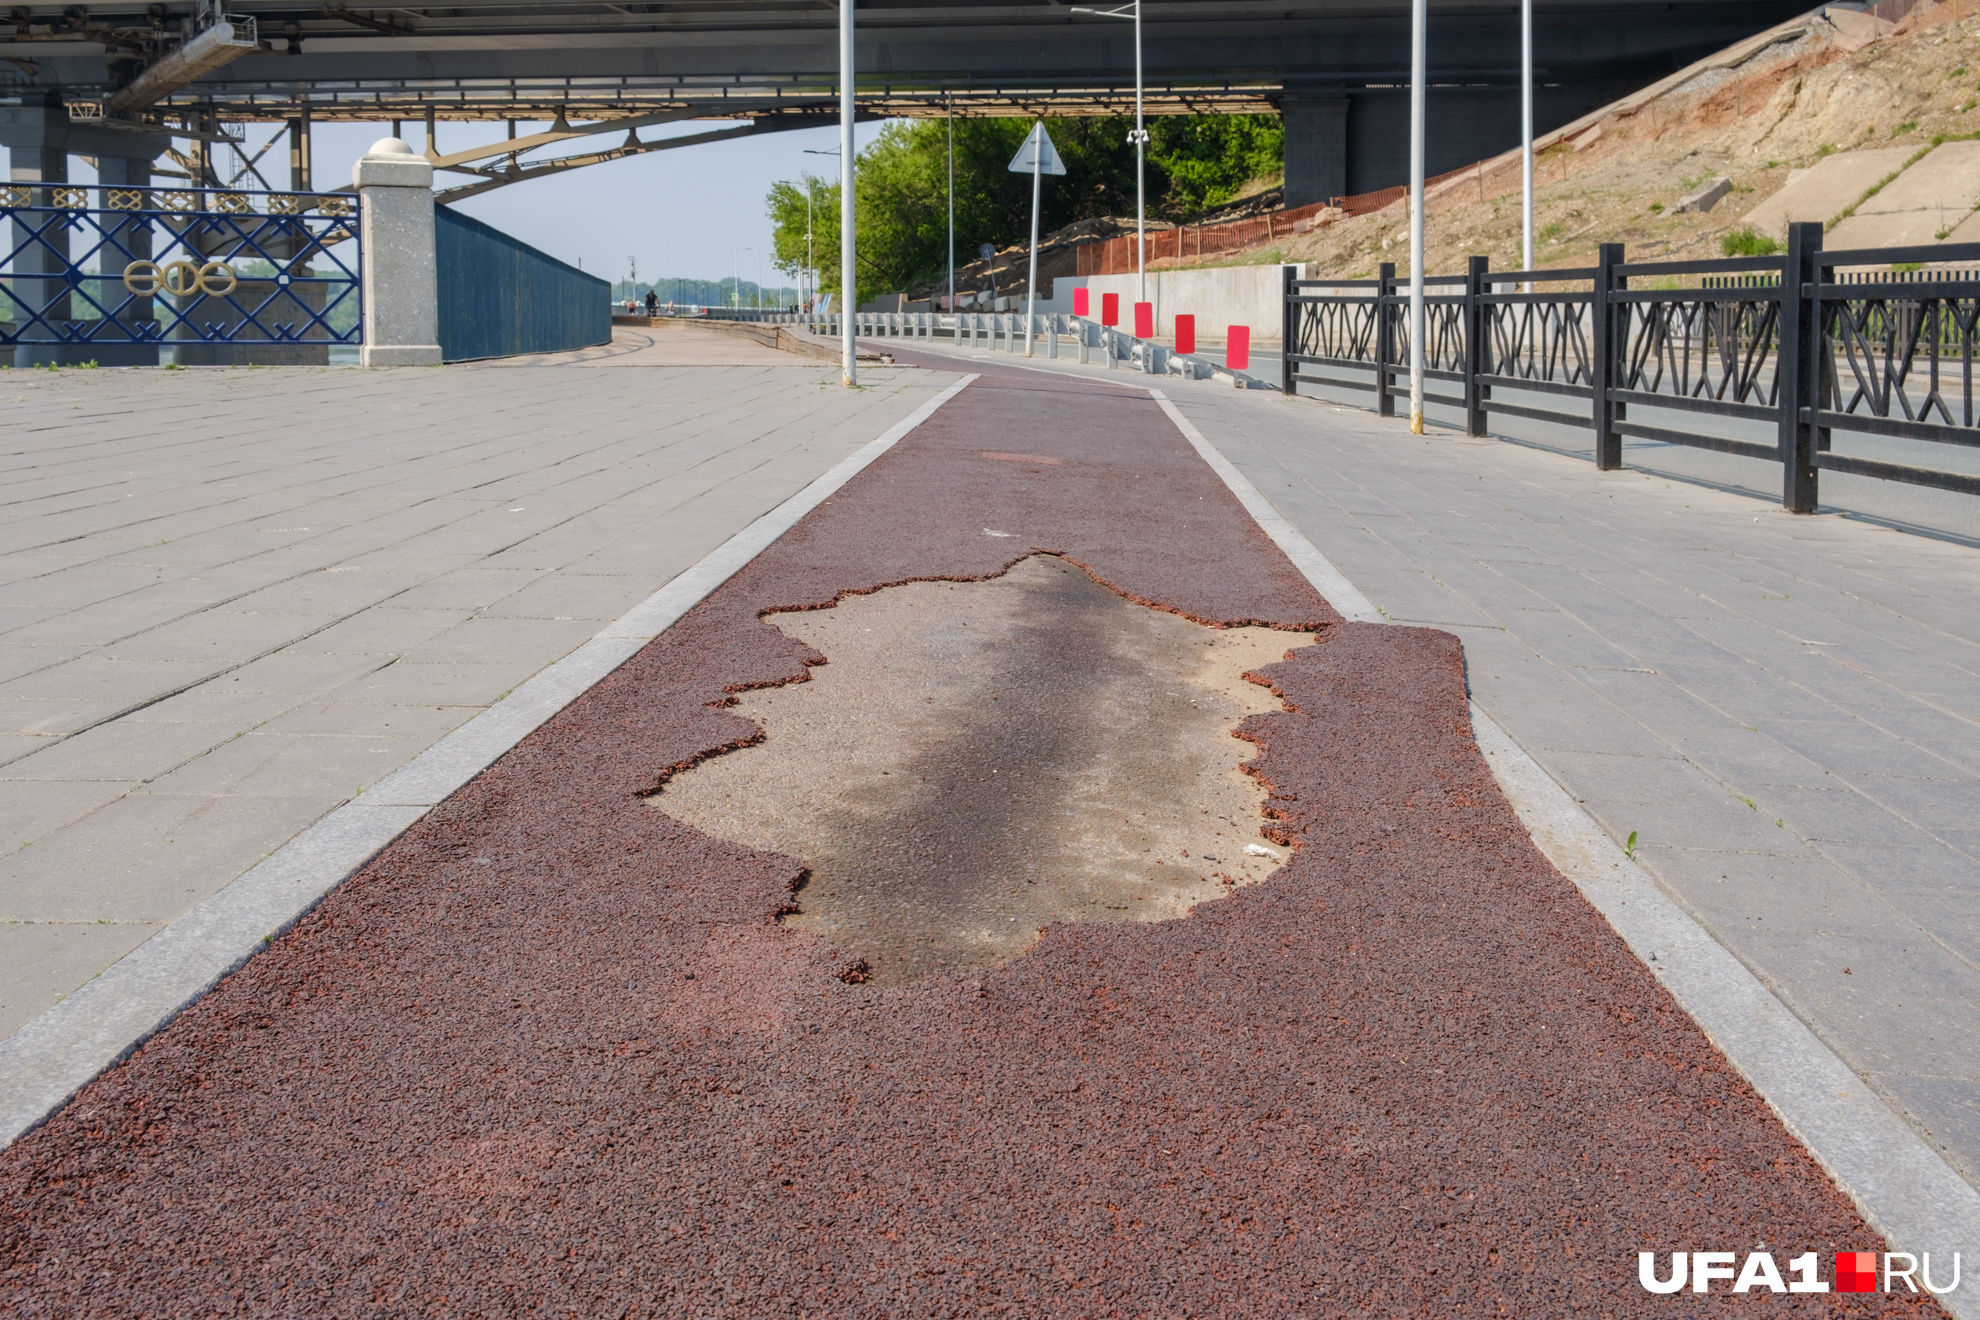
[[1898, 1182], [46, 1062]]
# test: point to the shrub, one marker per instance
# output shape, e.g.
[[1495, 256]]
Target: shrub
[[1747, 243]]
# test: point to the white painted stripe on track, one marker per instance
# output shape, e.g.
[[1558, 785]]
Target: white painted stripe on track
[[1903, 1187], [46, 1062]]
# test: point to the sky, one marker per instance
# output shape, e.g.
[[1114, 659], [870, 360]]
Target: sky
[[697, 212]]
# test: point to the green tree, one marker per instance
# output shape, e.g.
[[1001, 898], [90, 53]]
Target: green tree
[[788, 217], [1208, 159], [1194, 162]]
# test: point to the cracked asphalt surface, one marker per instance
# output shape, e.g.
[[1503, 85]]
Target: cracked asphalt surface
[[552, 1053]]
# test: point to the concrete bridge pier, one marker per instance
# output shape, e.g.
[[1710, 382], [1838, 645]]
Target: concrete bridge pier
[[40, 139], [1316, 152]]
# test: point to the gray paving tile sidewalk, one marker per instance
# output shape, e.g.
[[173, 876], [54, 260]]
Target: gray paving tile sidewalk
[[1785, 710], [230, 599]]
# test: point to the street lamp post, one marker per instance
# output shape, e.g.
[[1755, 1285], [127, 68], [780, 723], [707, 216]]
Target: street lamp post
[[810, 251], [849, 355], [1418, 20], [951, 202], [1526, 137], [1139, 137]]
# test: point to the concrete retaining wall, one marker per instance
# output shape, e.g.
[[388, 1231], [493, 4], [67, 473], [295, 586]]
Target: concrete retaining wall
[[1217, 296]]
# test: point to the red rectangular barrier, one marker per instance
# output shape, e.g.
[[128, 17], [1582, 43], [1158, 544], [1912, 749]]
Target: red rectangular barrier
[[1080, 303], [1185, 333], [1144, 320], [1237, 352], [1110, 309]]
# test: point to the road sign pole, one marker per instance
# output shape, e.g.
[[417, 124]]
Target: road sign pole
[[1040, 157], [1031, 285]]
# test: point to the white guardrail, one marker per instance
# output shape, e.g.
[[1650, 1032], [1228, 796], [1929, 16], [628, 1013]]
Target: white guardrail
[[1005, 331]]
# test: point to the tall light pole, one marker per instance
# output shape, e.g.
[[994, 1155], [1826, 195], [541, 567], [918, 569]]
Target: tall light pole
[[810, 249], [1418, 20], [951, 200], [849, 354], [1526, 137], [1139, 137]]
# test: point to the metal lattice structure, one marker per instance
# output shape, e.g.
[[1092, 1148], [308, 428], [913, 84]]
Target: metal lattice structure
[[177, 266]]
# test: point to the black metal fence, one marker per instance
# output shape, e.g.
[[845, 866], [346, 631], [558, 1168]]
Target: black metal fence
[[1806, 344]]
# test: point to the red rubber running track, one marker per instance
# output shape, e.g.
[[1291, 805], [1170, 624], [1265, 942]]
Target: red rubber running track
[[551, 1053]]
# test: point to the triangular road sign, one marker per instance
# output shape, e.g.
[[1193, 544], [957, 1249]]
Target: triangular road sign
[[1038, 150]]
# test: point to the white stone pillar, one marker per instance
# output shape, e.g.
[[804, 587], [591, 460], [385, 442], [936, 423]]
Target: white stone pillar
[[401, 284]]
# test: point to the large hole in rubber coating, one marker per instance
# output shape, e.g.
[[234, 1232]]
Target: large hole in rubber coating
[[977, 760]]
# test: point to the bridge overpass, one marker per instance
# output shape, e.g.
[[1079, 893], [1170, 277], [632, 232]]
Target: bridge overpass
[[92, 79]]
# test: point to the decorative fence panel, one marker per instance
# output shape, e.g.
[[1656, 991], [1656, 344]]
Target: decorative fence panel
[[118, 274], [1809, 345], [500, 297]]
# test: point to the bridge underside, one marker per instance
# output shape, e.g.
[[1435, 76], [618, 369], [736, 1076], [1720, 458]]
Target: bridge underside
[[1336, 69]]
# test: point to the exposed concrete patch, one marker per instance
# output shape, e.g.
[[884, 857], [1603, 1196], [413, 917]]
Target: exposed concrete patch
[[979, 760]]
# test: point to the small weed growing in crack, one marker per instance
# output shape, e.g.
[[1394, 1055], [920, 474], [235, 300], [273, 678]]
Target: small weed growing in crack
[[1629, 846]]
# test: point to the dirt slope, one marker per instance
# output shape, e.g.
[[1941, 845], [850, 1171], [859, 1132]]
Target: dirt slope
[[1832, 81]]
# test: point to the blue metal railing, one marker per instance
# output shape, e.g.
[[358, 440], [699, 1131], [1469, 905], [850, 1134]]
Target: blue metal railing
[[105, 265], [500, 297]]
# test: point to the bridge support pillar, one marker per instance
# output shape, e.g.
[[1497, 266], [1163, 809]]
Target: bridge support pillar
[[1316, 147], [36, 137], [131, 172], [401, 278]]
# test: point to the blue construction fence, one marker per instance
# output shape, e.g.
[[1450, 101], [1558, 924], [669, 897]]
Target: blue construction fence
[[500, 297]]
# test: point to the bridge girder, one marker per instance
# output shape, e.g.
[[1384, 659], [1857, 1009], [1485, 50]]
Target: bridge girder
[[496, 59]]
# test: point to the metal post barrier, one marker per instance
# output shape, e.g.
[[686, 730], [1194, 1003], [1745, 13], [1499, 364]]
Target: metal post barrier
[[1287, 331], [1609, 328], [1052, 337], [1385, 290], [1474, 345], [1799, 364]]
